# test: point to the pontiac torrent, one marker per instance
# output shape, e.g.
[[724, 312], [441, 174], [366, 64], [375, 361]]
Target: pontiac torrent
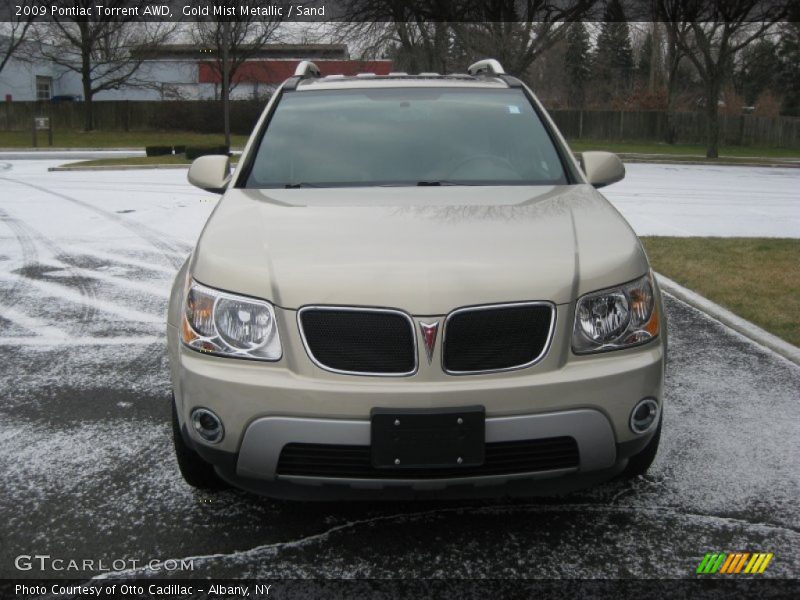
[[411, 288]]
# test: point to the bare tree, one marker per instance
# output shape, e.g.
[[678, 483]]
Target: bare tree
[[232, 41], [444, 36], [676, 27], [516, 32], [106, 53], [415, 33], [709, 35], [414, 46], [13, 36]]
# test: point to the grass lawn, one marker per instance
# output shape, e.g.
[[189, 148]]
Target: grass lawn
[[140, 139], [117, 139], [755, 278], [679, 150]]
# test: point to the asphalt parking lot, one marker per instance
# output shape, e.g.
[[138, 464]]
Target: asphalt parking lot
[[88, 470]]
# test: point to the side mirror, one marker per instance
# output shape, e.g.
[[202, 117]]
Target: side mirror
[[211, 173], [602, 168]]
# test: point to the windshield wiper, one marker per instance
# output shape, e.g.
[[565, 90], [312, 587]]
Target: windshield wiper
[[436, 182], [424, 183]]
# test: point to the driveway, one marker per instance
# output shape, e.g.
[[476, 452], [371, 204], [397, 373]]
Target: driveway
[[87, 467]]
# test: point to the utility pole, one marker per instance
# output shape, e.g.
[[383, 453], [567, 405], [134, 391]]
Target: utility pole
[[226, 81]]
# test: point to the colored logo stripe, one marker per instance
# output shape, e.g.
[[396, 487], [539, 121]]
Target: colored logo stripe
[[730, 562], [758, 563], [733, 563], [711, 563], [740, 564]]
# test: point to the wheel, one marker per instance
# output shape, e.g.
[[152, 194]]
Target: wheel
[[195, 471], [638, 464]]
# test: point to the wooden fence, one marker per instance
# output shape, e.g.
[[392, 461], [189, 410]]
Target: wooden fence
[[689, 128], [205, 117], [128, 115]]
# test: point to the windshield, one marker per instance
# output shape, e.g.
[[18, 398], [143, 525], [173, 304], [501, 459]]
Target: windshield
[[405, 136]]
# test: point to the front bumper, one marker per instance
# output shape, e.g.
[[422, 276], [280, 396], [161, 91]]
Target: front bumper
[[264, 407], [265, 438], [255, 467]]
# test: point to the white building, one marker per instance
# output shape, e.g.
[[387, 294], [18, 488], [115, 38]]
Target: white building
[[44, 81]]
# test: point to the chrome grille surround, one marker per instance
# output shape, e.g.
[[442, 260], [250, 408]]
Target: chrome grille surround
[[485, 307], [358, 309]]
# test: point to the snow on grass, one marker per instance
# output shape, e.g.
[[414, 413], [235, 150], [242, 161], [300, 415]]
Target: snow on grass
[[704, 200]]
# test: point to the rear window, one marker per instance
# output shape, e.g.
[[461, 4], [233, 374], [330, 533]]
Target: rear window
[[408, 136]]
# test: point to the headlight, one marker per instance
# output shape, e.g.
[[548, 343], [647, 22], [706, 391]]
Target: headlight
[[616, 318], [229, 325]]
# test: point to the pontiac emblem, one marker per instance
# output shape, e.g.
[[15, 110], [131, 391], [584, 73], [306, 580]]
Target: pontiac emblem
[[429, 337]]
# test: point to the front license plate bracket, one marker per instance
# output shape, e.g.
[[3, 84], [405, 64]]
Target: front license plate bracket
[[428, 438]]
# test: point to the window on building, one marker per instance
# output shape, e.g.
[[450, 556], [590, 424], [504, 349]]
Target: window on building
[[44, 88]]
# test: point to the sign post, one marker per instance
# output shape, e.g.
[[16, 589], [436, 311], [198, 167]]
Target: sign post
[[42, 124]]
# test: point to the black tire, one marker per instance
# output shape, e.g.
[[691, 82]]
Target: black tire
[[638, 464], [195, 471]]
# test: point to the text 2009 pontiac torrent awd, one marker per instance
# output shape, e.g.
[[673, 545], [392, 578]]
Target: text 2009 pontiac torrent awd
[[410, 288]]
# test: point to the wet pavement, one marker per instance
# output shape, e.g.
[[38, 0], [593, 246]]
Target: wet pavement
[[87, 467]]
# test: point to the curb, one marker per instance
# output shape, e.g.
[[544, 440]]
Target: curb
[[696, 159], [726, 317], [33, 150], [721, 163], [119, 167], [704, 157]]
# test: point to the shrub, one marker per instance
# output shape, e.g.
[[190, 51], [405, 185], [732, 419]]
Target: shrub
[[204, 116], [193, 152], [157, 150]]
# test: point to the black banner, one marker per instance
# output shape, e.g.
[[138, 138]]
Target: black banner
[[466, 589], [398, 10]]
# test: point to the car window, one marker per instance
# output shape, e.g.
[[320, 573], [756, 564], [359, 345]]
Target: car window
[[405, 136]]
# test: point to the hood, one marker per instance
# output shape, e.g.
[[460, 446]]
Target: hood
[[425, 250]]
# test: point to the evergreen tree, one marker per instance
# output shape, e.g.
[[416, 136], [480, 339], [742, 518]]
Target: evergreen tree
[[789, 75], [759, 70], [577, 62], [614, 55]]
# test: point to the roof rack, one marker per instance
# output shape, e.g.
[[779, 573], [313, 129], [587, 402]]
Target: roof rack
[[488, 66], [306, 68]]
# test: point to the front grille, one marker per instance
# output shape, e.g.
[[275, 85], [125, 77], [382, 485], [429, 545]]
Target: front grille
[[495, 338], [369, 341], [502, 458]]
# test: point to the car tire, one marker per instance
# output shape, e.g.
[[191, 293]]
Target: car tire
[[638, 464], [195, 471]]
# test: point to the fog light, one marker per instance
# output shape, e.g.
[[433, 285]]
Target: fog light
[[208, 425], [644, 415]]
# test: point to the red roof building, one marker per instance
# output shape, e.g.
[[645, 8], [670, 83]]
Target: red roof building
[[274, 72]]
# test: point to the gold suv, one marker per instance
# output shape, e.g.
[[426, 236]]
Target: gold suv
[[411, 288]]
